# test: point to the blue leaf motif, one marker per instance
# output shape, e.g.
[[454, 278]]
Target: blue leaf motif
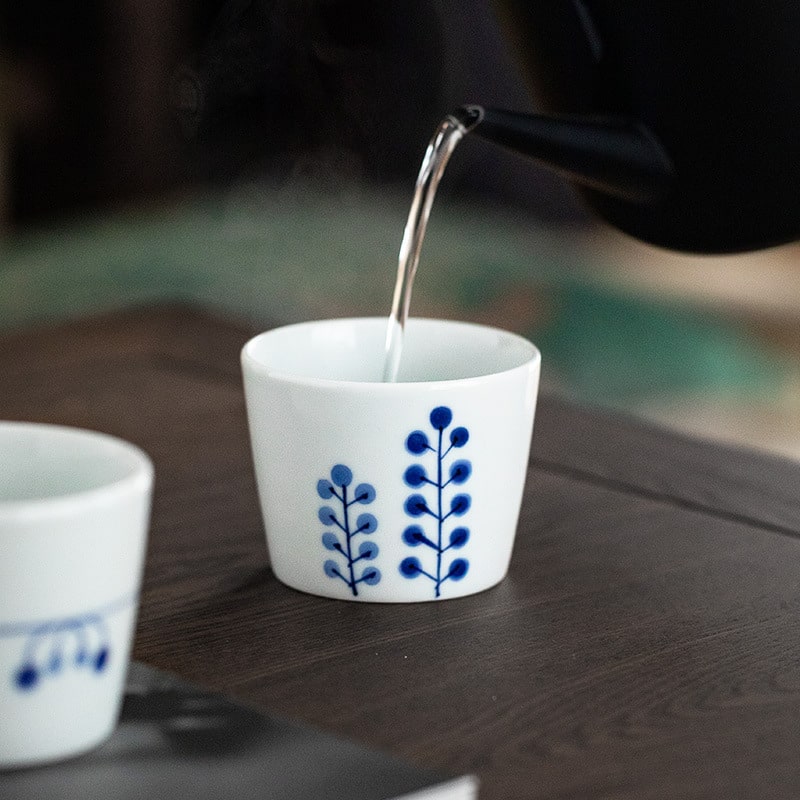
[[55, 646], [350, 526], [433, 497]]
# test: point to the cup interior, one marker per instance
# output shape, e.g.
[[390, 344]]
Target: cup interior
[[355, 350], [41, 462]]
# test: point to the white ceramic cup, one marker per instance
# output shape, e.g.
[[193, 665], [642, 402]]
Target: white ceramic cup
[[390, 492], [74, 512]]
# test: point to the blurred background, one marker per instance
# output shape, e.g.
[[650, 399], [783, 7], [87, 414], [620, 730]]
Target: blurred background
[[257, 158]]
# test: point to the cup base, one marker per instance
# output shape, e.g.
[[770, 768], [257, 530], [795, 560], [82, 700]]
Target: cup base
[[393, 600], [56, 756]]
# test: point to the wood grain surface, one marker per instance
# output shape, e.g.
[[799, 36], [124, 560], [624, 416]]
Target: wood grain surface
[[645, 644]]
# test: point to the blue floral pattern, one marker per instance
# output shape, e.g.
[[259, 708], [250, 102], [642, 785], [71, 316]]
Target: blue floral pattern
[[341, 542], [51, 647], [431, 502]]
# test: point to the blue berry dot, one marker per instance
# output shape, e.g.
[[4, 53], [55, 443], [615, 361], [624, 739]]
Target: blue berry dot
[[415, 505], [27, 677], [441, 417], [460, 504], [365, 493], [341, 475], [371, 576], [327, 516], [459, 437], [459, 537], [417, 442], [413, 535], [458, 569], [101, 659], [331, 568], [410, 567], [368, 550], [330, 541], [415, 475], [460, 471], [366, 523], [325, 489]]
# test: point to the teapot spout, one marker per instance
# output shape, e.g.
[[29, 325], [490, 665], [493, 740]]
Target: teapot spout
[[612, 155]]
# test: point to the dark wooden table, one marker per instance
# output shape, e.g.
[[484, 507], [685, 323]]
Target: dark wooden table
[[645, 644]]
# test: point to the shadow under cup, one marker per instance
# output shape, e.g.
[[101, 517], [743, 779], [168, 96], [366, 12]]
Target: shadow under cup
[[74, 512], [390, 492]]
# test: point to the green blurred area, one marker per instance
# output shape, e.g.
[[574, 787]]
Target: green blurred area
[[271, 259]]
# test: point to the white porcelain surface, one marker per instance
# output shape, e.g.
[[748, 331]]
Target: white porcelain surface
[[324, 429], [74, 511]]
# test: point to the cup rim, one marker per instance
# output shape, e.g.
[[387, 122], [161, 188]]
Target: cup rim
[[257, 366], [138, 478]]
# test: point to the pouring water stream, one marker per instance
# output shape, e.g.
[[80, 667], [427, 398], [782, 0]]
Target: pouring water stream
[[449, 133]]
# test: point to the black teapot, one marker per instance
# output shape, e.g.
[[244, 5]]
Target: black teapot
[[679, 122]]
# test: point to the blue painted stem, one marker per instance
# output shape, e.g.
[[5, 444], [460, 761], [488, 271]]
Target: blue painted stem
[[439, 487], [349, 537]]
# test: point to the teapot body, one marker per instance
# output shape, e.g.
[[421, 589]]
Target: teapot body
[[716, 82]]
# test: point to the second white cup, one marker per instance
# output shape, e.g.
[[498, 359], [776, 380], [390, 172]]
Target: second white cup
[[74, 511]]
